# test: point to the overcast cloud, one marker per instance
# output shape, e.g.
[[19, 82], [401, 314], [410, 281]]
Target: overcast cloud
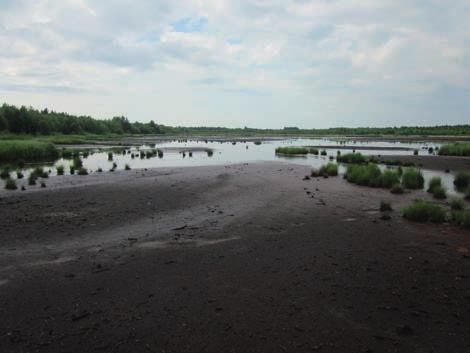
[[234, 63]]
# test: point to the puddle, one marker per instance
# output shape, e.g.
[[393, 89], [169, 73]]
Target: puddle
[[159, 244], [59, 260]]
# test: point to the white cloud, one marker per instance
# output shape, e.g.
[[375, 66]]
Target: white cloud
[[256, 57]]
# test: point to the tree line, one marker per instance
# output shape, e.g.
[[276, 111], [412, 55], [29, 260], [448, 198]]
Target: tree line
[[25, 120]]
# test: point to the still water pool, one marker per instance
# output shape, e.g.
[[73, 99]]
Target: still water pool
[[177, 154]]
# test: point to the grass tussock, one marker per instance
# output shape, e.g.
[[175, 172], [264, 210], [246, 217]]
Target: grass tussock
[[32, 179], [127, 167], [39, 172], [82, 171], [330, 169], [462, 180], [455, 149], [397, 189], [434, 183], [19, 174], [292, 150], [5, 173], [10, 184], [439, 192], [413, 179], [60, 170], [356, 158], [461, 218], [385, 206], [371, 175], [16, 150], [457, 204], [423, 211]]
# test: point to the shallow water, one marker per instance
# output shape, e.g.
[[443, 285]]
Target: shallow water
[[239, 152]]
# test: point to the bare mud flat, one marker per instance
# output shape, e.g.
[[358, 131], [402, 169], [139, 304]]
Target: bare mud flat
[[440, 163], [240, 258]]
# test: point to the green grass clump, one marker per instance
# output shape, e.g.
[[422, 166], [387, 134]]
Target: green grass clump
[[257, 143], [455, 149], [439, 192], [457, 205], [100, 170], [82, 171], [60, 170], [462, 180], [323, 153], [15, 150], [397, 189], [72, 170], [413, 179], [77, 162], [10, 184], [5, 173], [39, 172], [209, 153], [385, 206], [423, 211], [110, 156], [467, 194], [365, 175], [19, 174], [32, 179], [435, 182], [356, 158], [415, 152], [330, 169], [389, 178], [127, 167], [160, 153], [314, 151], [461, 218], [291, 150]]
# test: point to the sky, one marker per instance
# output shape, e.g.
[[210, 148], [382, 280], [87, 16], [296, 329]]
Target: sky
[[256, 63]]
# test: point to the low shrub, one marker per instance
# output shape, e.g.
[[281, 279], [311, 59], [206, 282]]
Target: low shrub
[[99, 170], [323, 153], [110, 156], [60, 170], [72, 170], [19, 174], [462, 180], [10, 184], [423, 211], [127, 167], [413, 179]]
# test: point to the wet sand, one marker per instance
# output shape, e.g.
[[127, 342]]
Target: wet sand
[[240, 258]]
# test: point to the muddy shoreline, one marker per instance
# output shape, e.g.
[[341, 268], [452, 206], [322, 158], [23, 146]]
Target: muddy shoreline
[[239, 258]]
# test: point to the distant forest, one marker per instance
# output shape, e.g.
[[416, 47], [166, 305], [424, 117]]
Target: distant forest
[[25, 120]]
